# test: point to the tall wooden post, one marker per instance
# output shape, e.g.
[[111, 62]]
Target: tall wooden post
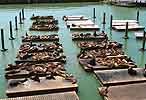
[[126, 31], [11, 31], [2, 41], [20, 20]]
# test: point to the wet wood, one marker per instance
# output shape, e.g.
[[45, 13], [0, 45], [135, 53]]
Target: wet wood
[[74, 18], [53, 96], [40, 38], [125, 92], [130, 27], [120, 77], [45, 86], [85, 27], [81, 22]]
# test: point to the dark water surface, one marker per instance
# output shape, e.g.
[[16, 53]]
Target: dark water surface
[[86, 81]]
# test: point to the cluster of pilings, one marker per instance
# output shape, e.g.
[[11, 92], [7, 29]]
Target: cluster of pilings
[[21, 19]]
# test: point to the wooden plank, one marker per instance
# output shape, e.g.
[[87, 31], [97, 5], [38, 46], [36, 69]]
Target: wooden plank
[[53, 96], [124, 21], [124, 24], [85, 64], [40, 38], [85, 27], [45, 86], [74, 18], [125, 92], [81, 22], [139, 35], [131, 27], [41, 17], [120, 76]]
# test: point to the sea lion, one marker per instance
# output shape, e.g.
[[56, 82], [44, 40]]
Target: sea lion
[[131, 71]]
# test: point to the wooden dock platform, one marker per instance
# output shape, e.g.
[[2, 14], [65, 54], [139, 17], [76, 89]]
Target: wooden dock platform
[[53, 96], [85, 27], [120, 25], [124, 21], [74, 18], [130, 27], [45, 86], [139, 35], [125, 92], [88, 67], [120, 77], [81, 22]]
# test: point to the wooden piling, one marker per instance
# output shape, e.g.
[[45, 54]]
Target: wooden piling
[[11, 31], [111, 21], [137, 18], [126, 31], [104, 14], [2, 41], [143, 44], [22, 14], [94, 13], [20, 20], [16, 28]]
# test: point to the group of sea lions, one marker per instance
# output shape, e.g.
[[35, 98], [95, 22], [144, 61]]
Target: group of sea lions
[[102, 36], [31, 47], [35, 38], [104, 53], [43, 24], [40, 52], [41, 17], [49, 70], [96, 44]]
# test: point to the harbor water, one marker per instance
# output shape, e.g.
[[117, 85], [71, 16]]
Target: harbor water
[[87, 83]]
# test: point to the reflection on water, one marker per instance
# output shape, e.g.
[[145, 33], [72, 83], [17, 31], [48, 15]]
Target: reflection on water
[[142, 59], [125, 46]]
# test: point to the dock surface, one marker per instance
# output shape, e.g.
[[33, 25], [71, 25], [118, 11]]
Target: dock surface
[[119, 77], [31, 87], [126, 92], [53, 96]]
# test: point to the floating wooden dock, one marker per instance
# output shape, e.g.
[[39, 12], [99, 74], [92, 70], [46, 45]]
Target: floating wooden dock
[[125, 92], [45, 86], [85, 64], [121, 25], [124, 21], [85, 27], [88, 37], [81, 22], [130, 27], [139, 35], [53, 96], [120, 77], [40, 38], [18, 61], [74, 18], [41, 17]]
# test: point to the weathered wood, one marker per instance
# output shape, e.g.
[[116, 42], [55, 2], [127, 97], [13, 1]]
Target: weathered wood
[[74, 18], [125, 92], [45, 86], [53, 96], [85, 27], [85, 64], [120, 77]]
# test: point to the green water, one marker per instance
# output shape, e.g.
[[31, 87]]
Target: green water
[[86, 81]]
